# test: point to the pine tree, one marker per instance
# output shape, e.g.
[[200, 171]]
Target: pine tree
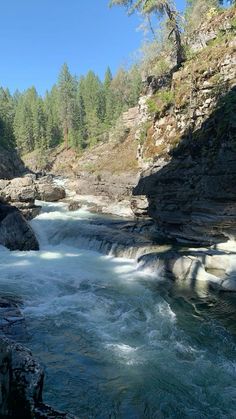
[[67, 102], [81, 118], [7, 111], [94, 106], [54, 133], [108, 98]]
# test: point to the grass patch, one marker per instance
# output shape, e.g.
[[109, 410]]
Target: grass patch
[[160, 102]]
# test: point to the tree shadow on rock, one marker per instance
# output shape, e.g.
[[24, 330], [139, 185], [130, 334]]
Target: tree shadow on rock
[[192, 198]]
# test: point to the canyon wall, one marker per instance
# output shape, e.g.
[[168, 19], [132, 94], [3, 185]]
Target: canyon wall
[[188, 139]]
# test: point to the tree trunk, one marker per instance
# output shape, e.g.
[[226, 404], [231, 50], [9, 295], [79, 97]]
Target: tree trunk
[[179, 47], [66, 136]]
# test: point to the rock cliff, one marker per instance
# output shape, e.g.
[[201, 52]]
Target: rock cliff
[[189, 144], [10, 164]]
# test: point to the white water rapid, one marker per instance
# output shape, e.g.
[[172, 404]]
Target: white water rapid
[[115, 341]]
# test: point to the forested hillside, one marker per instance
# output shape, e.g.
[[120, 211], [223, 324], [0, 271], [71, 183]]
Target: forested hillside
[[78, 111]]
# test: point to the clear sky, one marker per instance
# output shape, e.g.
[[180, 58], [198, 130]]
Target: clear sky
[[38, 36]]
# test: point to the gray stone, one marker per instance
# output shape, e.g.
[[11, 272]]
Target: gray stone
[[47, 191], [15, 232]]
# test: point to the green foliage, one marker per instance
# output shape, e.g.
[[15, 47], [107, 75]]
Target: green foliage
[[197, 11], [160, 101], [144, 131], [67, 89], [29, 122], [78, 113], [7, 112]]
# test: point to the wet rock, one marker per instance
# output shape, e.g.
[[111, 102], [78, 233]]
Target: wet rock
[[74, 206], [43, 411], [12, 324], [216, 269], [29, 210], [15, 232], [21, 379]]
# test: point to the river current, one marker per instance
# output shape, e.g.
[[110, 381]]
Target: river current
[[115, 341]]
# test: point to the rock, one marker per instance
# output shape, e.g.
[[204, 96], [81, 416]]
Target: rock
[[192, 197], [43, 411], [21, 192], [21, 384], [15, 232], [209, 30], [74, 206], [12, 324], [139, 206], [130, 117], [194, 267], [29, 210], [49, 192], [229, 283], [21, 379], [10, 164]]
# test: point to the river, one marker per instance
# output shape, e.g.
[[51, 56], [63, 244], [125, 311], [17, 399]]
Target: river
[[115, 341]]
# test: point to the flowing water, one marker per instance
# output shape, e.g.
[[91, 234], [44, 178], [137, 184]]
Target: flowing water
[[115, 341]]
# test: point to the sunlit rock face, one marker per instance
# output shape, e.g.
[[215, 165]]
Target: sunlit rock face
[[23, 191], [48, 191], [15, 232]]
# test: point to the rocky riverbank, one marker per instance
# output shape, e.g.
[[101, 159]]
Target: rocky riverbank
[[18, 197], [21, 376]]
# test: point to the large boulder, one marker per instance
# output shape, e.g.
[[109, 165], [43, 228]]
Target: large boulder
[[15, 232], [21, 384], [21, 380], [49, 192], [21, 192]]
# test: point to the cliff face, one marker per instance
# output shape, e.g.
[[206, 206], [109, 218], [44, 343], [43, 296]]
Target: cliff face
[[189, 144], [10, 164]]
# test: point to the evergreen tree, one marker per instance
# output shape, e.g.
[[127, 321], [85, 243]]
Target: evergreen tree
[[108, 98], [67, 102], [23, 126], [54, 133], [29, 122], [81, 117], [7, 111], [94, 106]]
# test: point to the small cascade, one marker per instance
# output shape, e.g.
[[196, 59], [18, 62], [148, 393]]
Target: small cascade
[[115, 340]]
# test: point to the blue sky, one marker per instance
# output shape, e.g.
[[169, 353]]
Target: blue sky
[[38, 36]]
